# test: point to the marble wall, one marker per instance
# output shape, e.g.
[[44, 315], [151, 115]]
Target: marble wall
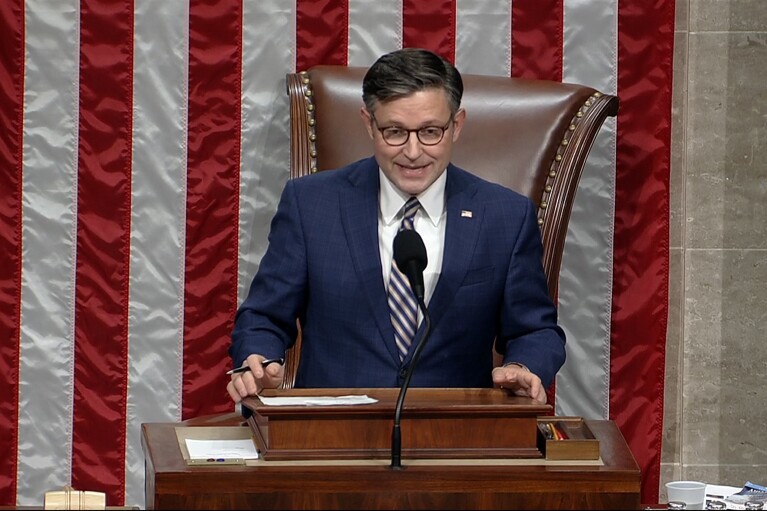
[[716, 372]]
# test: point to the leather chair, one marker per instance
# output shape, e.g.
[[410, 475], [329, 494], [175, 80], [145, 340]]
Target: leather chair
[[532, 136]]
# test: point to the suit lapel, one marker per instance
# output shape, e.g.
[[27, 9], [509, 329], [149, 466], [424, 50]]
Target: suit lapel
[[464, 219], [359, 214]]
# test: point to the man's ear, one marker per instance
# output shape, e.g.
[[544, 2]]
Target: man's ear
[[367, 119], [458, 120]]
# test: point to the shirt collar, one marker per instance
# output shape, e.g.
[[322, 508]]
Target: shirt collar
[[391, 199]]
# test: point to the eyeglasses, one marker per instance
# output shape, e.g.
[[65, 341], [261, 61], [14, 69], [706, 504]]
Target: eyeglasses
[[428, 135]]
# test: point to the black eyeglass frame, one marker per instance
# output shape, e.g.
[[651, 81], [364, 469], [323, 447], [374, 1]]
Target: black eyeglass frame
[[417, 132]]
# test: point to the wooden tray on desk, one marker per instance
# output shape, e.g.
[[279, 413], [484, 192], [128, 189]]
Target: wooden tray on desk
[[435, 423], [579, 443]]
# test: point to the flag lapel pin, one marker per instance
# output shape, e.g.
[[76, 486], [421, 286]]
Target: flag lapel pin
[[466, 213]]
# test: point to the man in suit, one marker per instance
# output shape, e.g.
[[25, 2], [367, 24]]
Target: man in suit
[[329, 260]]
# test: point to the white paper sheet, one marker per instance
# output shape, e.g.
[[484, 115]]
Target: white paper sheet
[[221, 449], [317, 400]]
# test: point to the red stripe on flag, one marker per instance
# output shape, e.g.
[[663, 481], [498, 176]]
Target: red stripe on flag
[[537, 39], [430, 25], [213, 187], [103, 247], [322, 33], [641, 246], [11, 136]]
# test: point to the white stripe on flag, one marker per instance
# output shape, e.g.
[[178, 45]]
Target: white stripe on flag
[[375, 28], [269, 41], [156, 329], [483, 37], [585, 291], [48, 266]]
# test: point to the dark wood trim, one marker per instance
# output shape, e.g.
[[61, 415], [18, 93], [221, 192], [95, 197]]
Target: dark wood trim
[[372, 484]]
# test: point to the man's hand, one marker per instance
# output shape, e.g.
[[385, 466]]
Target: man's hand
[[521, 381], [251, 382]]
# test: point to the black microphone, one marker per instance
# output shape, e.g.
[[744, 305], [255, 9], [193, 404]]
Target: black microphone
[[411, 259]]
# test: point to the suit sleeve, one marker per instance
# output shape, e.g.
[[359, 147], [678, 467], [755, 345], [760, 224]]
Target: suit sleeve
[[265, 322], [529, 330]]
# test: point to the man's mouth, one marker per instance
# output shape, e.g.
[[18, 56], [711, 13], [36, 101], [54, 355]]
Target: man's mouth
[[413, 169]]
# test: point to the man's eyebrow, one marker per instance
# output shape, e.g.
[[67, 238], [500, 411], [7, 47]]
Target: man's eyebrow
[[397, 124]]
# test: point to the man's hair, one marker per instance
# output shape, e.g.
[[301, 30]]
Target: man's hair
[[403, 72]]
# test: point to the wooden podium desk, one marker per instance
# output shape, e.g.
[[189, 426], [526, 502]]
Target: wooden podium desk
[[612, 482]]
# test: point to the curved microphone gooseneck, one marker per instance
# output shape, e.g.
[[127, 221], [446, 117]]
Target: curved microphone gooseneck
[[411, 259]]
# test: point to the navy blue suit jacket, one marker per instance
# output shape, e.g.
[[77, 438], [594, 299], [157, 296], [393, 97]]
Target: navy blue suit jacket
[[323, 266]]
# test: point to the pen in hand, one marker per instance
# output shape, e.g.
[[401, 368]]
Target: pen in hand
[[264, 363]]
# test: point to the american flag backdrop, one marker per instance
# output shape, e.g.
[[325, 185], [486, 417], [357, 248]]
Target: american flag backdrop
[[143, 148]]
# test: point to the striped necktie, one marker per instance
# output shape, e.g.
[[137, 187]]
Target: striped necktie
[[402, 302]]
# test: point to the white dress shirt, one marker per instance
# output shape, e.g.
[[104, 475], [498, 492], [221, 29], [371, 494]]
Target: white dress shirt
[[429, 222]]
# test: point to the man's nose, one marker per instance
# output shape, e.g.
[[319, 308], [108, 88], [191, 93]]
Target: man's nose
[[413, 147]]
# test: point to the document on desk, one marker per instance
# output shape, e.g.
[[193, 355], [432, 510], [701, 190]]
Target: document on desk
[[317, 400], [221, 451]]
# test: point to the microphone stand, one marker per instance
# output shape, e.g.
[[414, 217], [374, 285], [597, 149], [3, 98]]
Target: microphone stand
[[396, 435]]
